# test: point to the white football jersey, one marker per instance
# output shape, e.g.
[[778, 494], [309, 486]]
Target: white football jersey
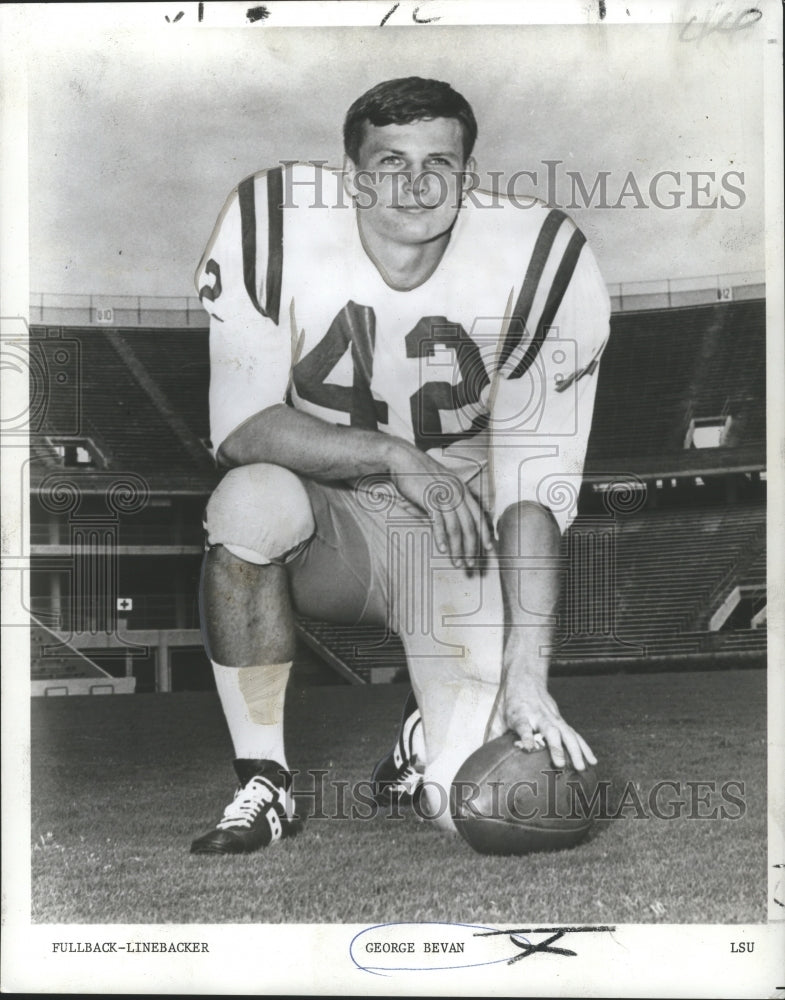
[[490, 363]]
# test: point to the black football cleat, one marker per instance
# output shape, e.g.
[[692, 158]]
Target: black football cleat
[[397, 777], [261, 812]]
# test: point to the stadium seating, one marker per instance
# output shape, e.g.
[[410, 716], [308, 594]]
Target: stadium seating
[[142, 402], [181, 371], [671, 570], [660, 368], [665, 366], [132, 415], [58, 669]]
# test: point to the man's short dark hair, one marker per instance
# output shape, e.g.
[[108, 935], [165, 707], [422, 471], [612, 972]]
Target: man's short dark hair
[[400, 102]]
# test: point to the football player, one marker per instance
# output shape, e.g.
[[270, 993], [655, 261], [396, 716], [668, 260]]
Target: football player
[[402, 383]]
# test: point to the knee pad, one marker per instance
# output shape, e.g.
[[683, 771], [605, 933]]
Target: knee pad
[[260, 513]]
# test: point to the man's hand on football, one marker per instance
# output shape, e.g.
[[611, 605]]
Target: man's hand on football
[[460, 527], [529, 710]]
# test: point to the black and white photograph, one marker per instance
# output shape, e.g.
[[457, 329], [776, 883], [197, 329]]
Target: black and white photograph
[[392, 432]]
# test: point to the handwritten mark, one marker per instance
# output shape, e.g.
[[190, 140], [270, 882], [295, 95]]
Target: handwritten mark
[[415, 16], [370, 954], [543, 946], [778, 901], [176, 18], [417, 947], [725, 25], [389, 14], [201, 10], [423, 20], [602, 10], [260, 13], [517, 937]]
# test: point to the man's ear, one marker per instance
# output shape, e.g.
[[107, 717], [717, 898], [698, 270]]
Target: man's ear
[[349, 173], [470, 178]]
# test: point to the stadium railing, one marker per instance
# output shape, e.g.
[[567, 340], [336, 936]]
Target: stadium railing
[[99, 309]]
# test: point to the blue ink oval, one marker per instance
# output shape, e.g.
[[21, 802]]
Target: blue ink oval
[[428, 946]]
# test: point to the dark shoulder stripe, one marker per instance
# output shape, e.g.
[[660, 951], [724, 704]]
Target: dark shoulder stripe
[[531, 281], [274, 243], [246, 192], [561, 282], [247, 198]]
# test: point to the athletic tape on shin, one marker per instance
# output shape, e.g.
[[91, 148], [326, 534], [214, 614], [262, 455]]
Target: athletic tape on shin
[[263, 689], [252, 699]]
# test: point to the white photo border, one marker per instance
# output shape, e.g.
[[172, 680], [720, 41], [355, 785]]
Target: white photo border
[[634, 960]]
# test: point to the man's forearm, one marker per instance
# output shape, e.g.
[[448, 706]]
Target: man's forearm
[[529, 540], [313, 448], [529, 555], [307, 445]]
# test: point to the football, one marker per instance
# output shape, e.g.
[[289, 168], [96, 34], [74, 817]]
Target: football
[[505, 800]]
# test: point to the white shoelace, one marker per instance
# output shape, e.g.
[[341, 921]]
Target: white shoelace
[[248, 803], [409, 779]]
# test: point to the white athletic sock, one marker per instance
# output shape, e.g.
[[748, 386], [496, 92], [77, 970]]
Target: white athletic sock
[[252, 699]]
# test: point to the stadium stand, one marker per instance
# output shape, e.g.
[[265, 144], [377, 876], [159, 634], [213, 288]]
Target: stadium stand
[[671, 569], [58, 669], [122, 409], [685, 580], [664, 367]]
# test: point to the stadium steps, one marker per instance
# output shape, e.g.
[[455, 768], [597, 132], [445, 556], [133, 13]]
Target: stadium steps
[[357, 652], [754, 575], [748, 570], [746, 639], [59, 669], [341, 647], [669, 564]]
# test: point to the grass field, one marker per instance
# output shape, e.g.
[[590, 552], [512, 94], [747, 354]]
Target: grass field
[[120, 785]]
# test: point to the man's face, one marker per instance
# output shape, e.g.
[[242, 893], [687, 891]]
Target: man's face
[[409, 179]]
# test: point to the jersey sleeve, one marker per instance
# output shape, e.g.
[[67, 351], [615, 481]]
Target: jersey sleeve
[[542, 393], [239, 284]]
